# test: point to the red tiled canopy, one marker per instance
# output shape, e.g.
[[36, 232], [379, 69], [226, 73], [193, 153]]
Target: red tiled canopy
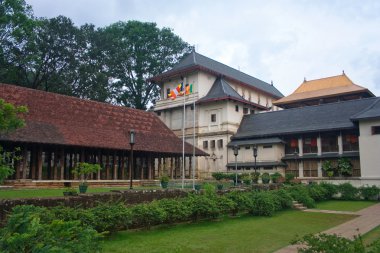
[[63, 120]]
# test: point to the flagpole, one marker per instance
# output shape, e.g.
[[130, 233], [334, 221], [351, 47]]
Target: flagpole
[[193, 164], [183, 133]]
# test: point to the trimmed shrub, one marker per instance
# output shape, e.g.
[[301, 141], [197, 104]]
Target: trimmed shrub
[[301, 194], [348, 192], [202, 206], [176, 210], [29, 230], [331, 189], [218, 176], [276, 177], [225, 205], [262, 204], [265, 178], [255, 177], [109, 217], [147, 215], [283, 199], [317, 192], [289, 178], [369, 192], [241, 200]]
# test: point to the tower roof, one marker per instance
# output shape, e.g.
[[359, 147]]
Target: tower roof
[[196, 61], [222, 90], [323, 88]]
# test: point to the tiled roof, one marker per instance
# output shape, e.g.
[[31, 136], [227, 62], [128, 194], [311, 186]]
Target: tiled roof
[[197, 61], [372, 112], [222, 90], [251, 142], [324, 87], [63, 120], [325, 117]]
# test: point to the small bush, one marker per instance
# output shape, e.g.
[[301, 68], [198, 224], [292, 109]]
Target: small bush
[[317, 192], [176, 210], [262, 204], [241, 201], [301, 194], [218, 176], [225, 205], [348, 191], [30, 229], [282, 198], [148, 214], [255, 177], [330, 244], [276, 177], [202, 206], [369, 192], [265, 178], [289, 178], [331, 189]]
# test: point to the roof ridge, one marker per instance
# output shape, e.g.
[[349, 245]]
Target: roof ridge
[[72, 97]]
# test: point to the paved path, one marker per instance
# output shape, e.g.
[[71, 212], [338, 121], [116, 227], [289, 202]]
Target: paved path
[[368, 218]]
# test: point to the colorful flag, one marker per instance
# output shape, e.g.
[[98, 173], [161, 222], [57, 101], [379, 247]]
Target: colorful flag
[[189, 89]]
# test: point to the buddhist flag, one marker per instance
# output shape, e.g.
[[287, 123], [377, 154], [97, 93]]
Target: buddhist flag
[[174, 93], [189, 89]]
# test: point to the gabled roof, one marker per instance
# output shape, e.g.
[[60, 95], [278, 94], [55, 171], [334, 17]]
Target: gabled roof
[[222, 90], [372, 112], [63, 120], [323, 88], [196, 61], [325, 117]]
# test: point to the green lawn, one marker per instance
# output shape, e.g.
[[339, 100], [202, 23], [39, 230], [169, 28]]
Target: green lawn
[[372, 235], [30, 193], [244, 234], [344, 205]]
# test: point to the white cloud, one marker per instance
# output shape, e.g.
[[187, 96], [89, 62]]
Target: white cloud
[[283, 41]]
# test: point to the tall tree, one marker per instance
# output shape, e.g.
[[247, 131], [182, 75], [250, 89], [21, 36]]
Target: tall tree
[[136, 52]]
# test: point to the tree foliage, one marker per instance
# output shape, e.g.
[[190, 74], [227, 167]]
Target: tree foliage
[[111, 64]]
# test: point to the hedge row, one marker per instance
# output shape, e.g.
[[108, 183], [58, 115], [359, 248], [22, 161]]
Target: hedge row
[[31, 228]]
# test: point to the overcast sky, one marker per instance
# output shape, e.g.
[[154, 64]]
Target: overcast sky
[[281, 40]]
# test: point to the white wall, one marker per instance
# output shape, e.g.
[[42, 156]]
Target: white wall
[[369, 150]]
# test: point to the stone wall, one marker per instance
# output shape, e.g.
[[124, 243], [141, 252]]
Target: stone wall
[[129, 197]]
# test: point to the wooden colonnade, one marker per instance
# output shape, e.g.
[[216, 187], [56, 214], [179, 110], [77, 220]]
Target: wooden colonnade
[[46, 162]]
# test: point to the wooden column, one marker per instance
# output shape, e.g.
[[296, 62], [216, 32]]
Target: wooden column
[[49, 173], [149, 160], [62, 163], [122, 166], [100, 161], [33, 163], [142, 163], [24, 162], [55, 166], [114, 166], [39, 163], [17, 164], [107, 166], [159, 166], [190, 167], [171, 167]]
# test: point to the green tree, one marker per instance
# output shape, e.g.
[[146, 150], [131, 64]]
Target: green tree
[[9, 120], [138, 51]]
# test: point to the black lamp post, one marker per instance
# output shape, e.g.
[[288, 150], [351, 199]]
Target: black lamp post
[[236, 152], [131, 142], [255, 155]]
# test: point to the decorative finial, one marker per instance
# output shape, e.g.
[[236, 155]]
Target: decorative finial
[[271, 82], [304, 79], [343, 72]]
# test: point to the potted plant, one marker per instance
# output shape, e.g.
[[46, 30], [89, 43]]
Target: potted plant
[[69, 191], [246, 178], [327, 167], [344, 167], [255, 177], [218, 176], [84, 170], [265, 178], [276, 177], [164, 181]]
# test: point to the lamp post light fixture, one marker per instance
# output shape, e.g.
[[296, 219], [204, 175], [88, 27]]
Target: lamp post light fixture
[[255, 155], [236, 152], [131, 142]]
